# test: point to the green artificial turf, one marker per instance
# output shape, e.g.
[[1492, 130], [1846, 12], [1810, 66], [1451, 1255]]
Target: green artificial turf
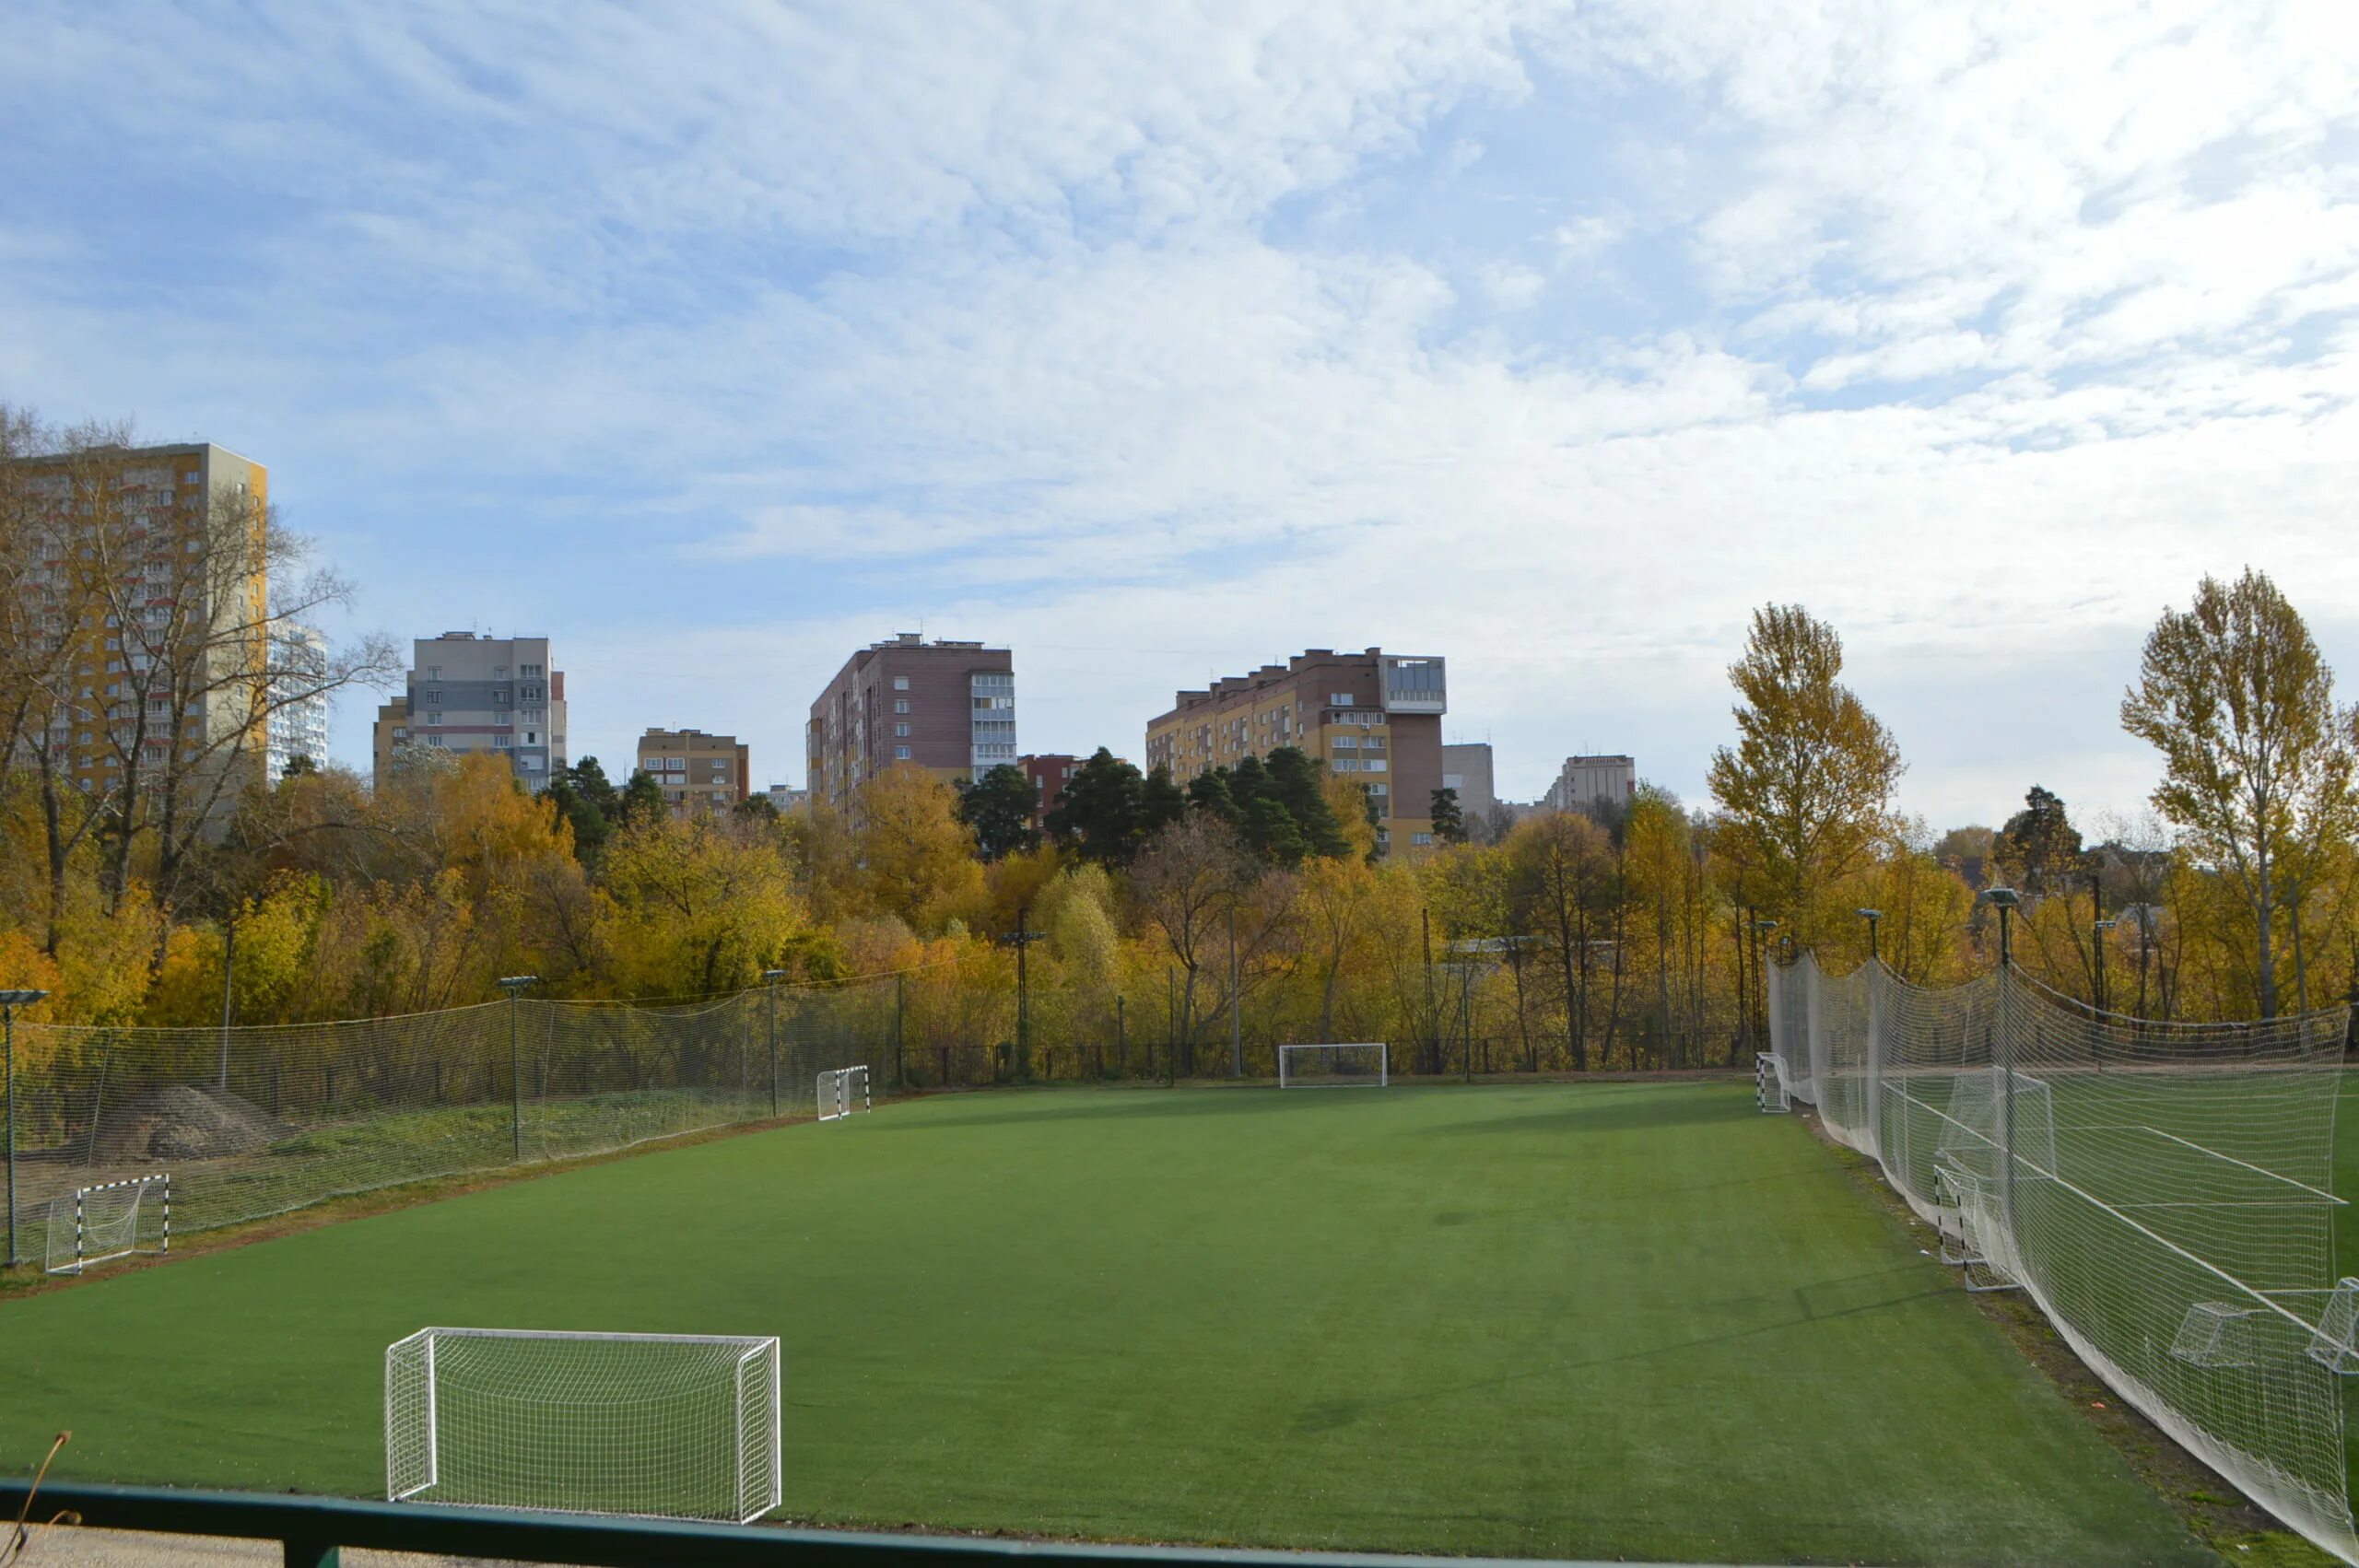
[[1567, 1320]]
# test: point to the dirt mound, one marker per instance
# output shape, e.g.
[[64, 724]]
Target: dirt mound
[[186, 1121]]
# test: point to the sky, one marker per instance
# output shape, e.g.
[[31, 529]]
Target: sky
[[1159, 342]]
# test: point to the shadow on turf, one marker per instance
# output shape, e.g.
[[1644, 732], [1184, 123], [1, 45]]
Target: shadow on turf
[[1819, 1301]]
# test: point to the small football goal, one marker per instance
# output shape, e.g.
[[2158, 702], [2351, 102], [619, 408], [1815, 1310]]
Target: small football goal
[[1332, 1067], [843, 1091], [113, 1219], [680, 1426]]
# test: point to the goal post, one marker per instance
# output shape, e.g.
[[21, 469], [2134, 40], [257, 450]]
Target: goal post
[[679, 1426], [1356, 1066], [113, 1219], [842, 1091]]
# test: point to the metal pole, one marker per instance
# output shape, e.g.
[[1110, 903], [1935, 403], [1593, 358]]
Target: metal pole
[[1236, 1005], [900, 996], [8, 1088], [770, 992], [515, 1079], [1122, 1039], [1433, 1021], [1023, 1004]]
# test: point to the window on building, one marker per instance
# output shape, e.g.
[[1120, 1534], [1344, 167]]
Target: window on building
[[1421, 839], [901, 730], [1339, 699], [434, 718], [500, 671], [1372, 764], [434, 672], [901, 682], [900, 705], [901, 753]]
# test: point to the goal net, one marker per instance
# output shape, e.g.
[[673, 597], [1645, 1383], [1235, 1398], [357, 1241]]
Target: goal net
[[2163, 1192], [842, 1091], [113, 1219], [682, 1426], [1332, 1067]]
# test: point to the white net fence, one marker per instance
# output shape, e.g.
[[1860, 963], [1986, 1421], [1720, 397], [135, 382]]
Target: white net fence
[[2163, 1192], [673, 1425], [256, 1122]]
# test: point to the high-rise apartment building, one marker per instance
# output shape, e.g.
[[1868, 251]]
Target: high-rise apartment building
[[1373, 717], [299, 702], [144, 586], [1586, 782], [945, 707], [787, 800], [698, 772], [469, 693], [1466, 768]]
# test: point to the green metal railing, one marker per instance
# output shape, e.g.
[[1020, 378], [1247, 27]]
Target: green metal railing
[[312, 1529]]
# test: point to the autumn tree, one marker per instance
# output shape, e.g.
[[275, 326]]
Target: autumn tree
[[915, 857], [999, 808], [2258, 758], [1186, 883], [1805, 789]]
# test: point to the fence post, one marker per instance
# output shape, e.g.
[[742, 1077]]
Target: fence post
[[1121, 1040], [900, 1080], [514, 986], [770, 978], [9, 1002]]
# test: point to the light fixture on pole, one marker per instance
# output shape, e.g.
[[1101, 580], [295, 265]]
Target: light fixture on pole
[[2006, 901], [1021, 939], [1873, 916], [9, 1002]]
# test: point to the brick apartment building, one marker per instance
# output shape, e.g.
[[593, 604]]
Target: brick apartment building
[[946, 707], [1372, 716], [1048, 773], [698, 772]]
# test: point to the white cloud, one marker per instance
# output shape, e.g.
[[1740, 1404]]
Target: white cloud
[[1981, 331]]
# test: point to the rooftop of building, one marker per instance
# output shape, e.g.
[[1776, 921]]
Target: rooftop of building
[[1270, 674]]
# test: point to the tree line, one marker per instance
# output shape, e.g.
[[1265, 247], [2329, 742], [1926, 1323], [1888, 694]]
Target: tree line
[[1213, 919]]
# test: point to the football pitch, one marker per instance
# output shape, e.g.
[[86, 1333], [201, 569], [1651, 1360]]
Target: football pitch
[[1593, 1320]]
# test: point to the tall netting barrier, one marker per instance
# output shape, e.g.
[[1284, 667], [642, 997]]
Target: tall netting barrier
[[252, 1122], [2162, 1191]]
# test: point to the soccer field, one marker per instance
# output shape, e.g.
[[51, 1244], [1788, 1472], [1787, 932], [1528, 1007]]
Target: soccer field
[[1566, 1320]]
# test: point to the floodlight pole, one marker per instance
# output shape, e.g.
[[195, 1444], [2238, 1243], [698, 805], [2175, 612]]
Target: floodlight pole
[[2099, 944], [1874, 918], [770, 977], [1020, 939], [9, 1002], [1762, 926], [2003, 1049], [514, 986]]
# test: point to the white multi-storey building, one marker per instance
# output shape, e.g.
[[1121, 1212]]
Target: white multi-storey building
[[298, 723]]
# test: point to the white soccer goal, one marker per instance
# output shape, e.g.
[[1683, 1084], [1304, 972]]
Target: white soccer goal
[[681, 1426], [114, 1219], [843, 1091], [1332, 1067], [1769, 1090]]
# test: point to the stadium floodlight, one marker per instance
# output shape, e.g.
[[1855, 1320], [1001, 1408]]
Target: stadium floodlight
[[2006, 901], [9, 1002], [678, 1426], [1354, 1066], [1873, 917]]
